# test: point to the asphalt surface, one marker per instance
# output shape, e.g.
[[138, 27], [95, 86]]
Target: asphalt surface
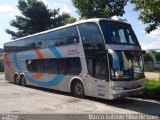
[[15, 99]]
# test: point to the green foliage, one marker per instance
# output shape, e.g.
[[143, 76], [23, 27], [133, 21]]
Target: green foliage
[[149, 13], [64, 19], [147, 58], [153, 88], [100, 8], [157, 55], [36, 17]]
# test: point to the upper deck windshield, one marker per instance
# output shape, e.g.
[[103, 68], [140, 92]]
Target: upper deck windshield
[[118, 33]]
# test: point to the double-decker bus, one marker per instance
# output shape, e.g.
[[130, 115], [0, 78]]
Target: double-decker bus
[[96, 57]]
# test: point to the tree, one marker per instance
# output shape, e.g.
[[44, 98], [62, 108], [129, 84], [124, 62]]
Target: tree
[[157, 55], [149, 13], [147, 59], [36, 17], [100, 8], [64, 19]]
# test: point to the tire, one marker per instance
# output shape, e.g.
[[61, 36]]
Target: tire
[[78, 89], [16, 80], [23, 81]]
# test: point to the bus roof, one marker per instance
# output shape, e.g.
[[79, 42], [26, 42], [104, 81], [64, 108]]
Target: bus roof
[[75, 23]]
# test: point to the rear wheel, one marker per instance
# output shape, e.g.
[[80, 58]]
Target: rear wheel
[[16, 80], [23, 81], [78, 89]]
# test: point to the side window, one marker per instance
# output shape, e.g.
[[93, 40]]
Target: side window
[[53, 38], [90, 34], [90, 65], [21, 45], [73, 66], [55, 66], [30, 66], [30, 43], [62, 66], [51, 66], [38, 66], [35, 66], [11, 47], [14, 46], [7, 47], [100, 68], [39, 42], [97, 66], [69, 35]]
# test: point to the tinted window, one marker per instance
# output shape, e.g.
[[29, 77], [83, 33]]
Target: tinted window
[[39, 66], [51, 66], [73, 66], [30, 43], [90, 34], [121, 33], [69, 36], [97, 66], [40, 41], [90, 65], [30, 66], [7, 47], [20, 45], [35, 66], [100, 67], [62, 66], [52, 38], [13, 46], [118, 33], [55, 66], [42, 66]]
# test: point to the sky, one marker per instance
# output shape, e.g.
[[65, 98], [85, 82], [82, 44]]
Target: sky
[[8, 10]]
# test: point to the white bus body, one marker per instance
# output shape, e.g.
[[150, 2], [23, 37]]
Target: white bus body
[[96, 57]]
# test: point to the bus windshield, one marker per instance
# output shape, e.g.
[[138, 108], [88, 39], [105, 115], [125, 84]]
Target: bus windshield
[[126, 65], [118, 33]]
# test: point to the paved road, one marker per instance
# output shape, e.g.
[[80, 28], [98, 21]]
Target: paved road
[[17, 99]]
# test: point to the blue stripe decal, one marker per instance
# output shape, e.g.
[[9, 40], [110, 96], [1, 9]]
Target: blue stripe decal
[[16, 63], [53, 82], [55, 52]]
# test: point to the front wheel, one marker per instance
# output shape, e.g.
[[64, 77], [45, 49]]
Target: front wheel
[[78, 89]]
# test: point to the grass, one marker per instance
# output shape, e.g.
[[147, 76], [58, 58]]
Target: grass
[[152, 89]]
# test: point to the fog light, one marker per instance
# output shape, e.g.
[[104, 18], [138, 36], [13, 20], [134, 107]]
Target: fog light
[[116, 95]]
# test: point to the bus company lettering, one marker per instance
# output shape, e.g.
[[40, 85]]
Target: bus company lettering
[[101, 94], [72, 52], [27, 55]]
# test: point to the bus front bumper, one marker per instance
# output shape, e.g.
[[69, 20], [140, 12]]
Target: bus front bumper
[[126, 93]]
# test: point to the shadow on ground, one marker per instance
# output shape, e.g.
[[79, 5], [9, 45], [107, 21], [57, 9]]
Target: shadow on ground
[[140, 105]]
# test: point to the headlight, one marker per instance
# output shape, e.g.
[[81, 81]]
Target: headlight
[[117, 88]]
